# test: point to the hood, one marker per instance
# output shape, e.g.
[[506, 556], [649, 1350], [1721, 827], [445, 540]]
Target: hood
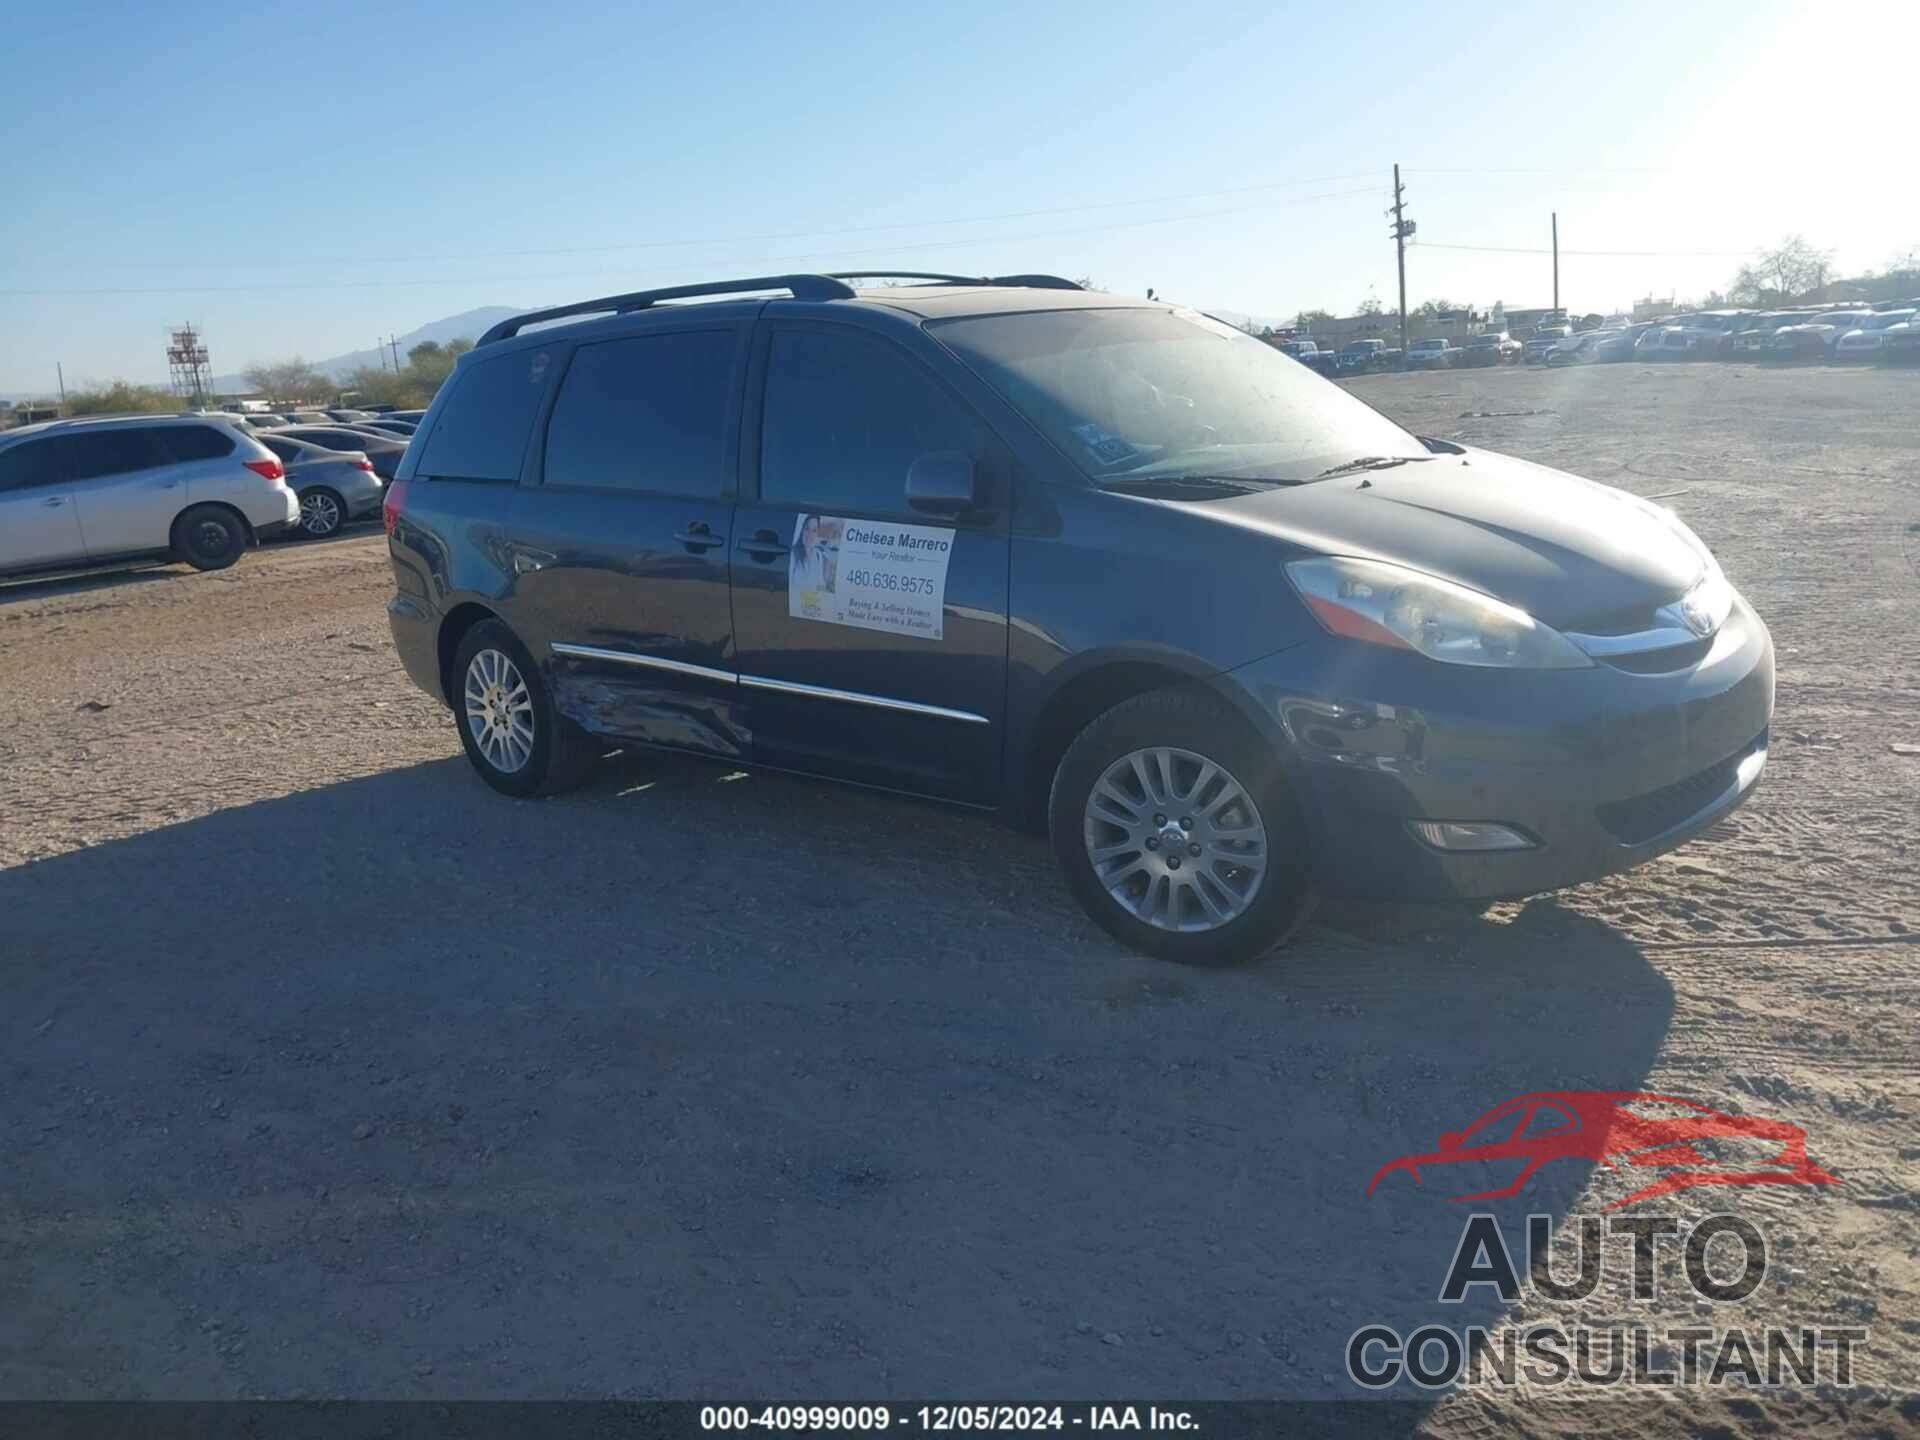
[[1568, 551]]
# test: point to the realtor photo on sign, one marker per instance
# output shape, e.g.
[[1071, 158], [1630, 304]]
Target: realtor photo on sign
[[869, 574]]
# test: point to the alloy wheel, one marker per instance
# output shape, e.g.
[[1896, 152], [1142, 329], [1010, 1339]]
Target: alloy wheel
[[499, 711], [1175, 839], [319, 514]]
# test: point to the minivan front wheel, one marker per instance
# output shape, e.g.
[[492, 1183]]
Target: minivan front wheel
[[513, 736], [1177, 832]]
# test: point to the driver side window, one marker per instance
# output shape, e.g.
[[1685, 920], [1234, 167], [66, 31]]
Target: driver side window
[[845, 415]]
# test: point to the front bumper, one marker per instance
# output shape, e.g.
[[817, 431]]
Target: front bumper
[[1603, 768]]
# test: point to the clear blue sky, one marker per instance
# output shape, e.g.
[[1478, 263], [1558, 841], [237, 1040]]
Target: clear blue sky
[[301, 182]]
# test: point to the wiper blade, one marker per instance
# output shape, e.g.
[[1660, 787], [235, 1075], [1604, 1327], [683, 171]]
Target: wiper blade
[[1237, 484], [1371, 462]]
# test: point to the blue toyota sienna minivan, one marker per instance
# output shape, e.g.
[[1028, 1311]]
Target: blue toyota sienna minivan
[[1108, 564]]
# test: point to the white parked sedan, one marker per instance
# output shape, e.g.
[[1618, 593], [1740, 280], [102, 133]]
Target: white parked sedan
[[1864, 341], [80, 492], [1431, 354]]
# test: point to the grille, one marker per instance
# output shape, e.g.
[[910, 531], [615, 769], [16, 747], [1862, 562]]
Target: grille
[[1661, 662], [1639, 819]]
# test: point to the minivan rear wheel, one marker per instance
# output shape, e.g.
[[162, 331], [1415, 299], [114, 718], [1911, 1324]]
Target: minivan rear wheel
[[513, 736], [1177, 832]]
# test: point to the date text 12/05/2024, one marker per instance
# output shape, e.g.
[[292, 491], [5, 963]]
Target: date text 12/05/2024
[[943, 1418]]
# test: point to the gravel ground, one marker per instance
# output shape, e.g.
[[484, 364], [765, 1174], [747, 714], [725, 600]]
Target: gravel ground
[[330, 1073]]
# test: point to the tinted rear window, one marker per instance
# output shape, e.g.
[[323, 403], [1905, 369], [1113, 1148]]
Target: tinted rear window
[[647, 414], [481, 431], [33, 463], [193, 442], [333, 439], [98, 453]]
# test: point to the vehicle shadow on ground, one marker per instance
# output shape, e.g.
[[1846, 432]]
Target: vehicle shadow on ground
[[79, 582], [697, 1082]]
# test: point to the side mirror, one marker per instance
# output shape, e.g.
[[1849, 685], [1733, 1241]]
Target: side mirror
[[943, 483]]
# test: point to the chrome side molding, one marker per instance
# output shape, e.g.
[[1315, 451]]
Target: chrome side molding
[[761, 682]]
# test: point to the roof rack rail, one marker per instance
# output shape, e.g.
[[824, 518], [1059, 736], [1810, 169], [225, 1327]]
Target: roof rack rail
[[1029, 282], [802, 287]]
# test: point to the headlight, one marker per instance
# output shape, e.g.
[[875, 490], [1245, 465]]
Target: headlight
[[1705, 607], [1387, 605]]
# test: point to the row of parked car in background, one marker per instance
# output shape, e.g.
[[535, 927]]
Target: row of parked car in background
[[338, 461], [202, 486], [1889, 332]]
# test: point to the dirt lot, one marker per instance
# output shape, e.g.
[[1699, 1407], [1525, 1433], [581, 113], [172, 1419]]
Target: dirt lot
[[330, 1073]]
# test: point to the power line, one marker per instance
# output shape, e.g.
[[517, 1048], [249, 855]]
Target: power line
[[1630, 254], [718, 240], [1539, 170], [273, 287]]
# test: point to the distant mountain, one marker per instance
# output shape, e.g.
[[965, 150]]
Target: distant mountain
[[469, 325]]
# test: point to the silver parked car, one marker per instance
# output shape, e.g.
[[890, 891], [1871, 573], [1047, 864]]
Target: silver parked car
[[334, 486], [81, 492]]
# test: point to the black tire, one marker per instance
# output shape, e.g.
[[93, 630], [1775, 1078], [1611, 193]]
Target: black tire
[[209, 537], [560, 752], [324, 498], [1206, 726]]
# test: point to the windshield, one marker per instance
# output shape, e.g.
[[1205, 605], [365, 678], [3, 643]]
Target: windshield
[[1890, 317], [1429, 344], [1155, 393]]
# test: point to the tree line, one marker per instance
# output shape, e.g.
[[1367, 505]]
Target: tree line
[[292, 382]]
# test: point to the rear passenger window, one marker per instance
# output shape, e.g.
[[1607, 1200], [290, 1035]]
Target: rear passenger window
[[482, 429], [645, 415], [845, 416], [97, 454], [193, 442], [24, 466]]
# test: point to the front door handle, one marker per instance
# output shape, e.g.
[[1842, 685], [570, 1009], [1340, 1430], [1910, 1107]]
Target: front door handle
[[763, 545], [698, 537], [55, 500]]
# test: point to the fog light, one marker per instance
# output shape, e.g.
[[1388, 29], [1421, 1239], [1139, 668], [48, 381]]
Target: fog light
[[1469, 835]]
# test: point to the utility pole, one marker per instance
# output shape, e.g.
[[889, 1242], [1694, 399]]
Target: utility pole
[[1402, 228], [1556, 259], [394, 341], [380, 349], [61, 371]]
